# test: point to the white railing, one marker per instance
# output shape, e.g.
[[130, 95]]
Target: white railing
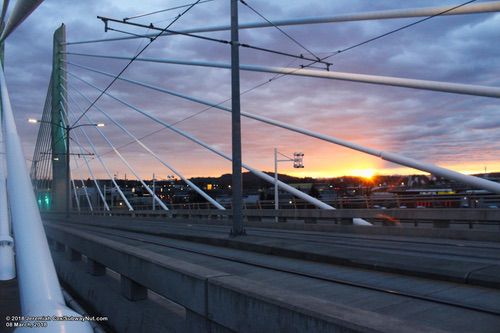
[[39, 289]]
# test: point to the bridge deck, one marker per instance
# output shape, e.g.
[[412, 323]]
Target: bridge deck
[[450, 285]]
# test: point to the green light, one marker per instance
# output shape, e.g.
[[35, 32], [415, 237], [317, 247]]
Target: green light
[[47, 201]]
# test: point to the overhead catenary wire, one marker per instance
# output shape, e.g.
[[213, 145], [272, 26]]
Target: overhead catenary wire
[[280, 75], [217, 40], [131, 61], [440, 11], [485, 7], [162, 10], [280, 30], [396, 30]]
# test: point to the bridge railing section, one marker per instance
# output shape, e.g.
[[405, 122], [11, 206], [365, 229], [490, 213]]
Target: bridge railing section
[[453, 218], [491, 201]]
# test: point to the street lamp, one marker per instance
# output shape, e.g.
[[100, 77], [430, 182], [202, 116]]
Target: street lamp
[[298, 162], [67, 129]]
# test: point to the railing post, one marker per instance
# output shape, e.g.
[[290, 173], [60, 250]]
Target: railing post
[[60, 158]]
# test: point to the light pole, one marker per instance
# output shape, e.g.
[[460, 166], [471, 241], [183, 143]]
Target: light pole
[[298, 162], [67, 130], [154, 191]]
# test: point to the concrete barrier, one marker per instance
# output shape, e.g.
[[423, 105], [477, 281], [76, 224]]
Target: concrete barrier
[[212, 300]]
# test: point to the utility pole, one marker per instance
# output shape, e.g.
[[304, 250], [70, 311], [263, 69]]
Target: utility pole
[[298, 162], [154, 192], [237, 200]]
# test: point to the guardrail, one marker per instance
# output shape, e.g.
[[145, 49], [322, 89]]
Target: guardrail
[[484, 219], [357, 202]]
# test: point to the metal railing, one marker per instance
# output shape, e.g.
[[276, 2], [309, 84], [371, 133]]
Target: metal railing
[[455, 218], [491, 201]]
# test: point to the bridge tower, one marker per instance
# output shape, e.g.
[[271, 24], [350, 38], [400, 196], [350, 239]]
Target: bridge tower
[[60, 158]]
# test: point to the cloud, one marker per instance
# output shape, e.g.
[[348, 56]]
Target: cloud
[[440, 128]]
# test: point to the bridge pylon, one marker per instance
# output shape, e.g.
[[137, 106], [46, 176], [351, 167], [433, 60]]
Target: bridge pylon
[[59, 118]]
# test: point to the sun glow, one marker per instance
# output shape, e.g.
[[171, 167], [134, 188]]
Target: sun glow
[[365, 173]]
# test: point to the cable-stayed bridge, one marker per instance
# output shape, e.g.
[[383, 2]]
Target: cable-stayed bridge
[[82, 254]]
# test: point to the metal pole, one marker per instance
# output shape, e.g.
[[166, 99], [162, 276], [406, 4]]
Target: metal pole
[[68, 181], [237, 182], [276, 195], [154, 191]]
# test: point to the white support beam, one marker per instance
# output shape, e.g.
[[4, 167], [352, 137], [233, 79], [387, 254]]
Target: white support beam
[[5, 6], [40, 292], [484, 7], [448, 87], [22, 9]]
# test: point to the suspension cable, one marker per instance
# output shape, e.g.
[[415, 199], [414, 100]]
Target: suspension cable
[[108, 172], [190, 137], [77, 141], [129, 166], [98, 188], [392, 157], [83, 184], [175, 171]]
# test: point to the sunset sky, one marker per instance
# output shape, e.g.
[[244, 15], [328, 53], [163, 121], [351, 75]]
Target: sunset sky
[[454, 131]]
